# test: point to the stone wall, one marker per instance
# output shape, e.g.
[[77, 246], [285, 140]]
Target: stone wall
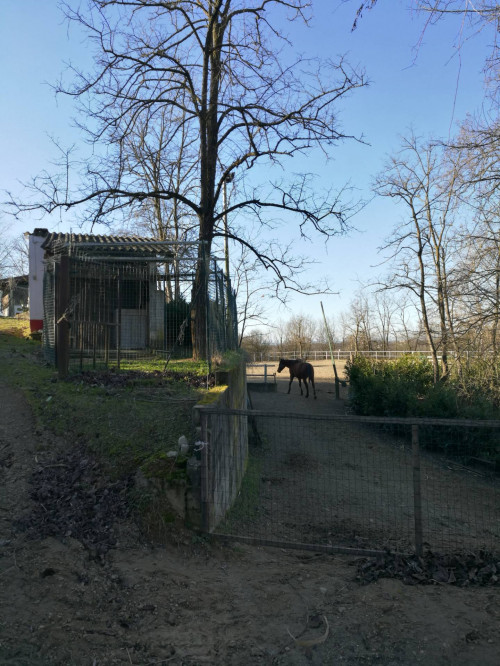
[[204, 488], [225, 447]]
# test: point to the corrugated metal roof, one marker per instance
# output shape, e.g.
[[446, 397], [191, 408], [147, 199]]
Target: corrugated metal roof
[[92, 244]]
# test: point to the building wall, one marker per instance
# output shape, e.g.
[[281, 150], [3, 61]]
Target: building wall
[[36, 271]]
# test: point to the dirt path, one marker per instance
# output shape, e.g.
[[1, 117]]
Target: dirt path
[[324, 403], [361, 479], [189, 603]]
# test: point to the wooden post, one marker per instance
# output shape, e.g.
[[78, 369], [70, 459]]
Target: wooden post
[[94, 344], [62, 313], [417, 491], [80, 335], [119, 321], [106, 344]]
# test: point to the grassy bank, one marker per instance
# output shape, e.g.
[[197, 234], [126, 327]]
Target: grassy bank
[[126, 418]]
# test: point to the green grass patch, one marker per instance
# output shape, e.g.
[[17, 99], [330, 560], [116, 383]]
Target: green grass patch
[[230, 360], [18, 327], [129, 419], [157, 364], [124, 426], [211, 397]]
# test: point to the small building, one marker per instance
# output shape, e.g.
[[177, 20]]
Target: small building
[[106, 298], [13, 295]]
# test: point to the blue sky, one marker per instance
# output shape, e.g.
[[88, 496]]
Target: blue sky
[[428, 89]]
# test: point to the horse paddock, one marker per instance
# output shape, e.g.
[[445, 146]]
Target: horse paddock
[[319, 476], [323, 370]]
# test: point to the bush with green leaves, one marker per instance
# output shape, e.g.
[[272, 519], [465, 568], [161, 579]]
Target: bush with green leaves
[[479, 381], [388, 388], [404, 388]]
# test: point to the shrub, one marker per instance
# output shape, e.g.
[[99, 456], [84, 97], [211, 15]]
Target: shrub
[[405, 388], [388, 388]]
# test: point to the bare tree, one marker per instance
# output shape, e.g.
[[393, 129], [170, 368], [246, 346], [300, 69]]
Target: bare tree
[[13, 254], [299, 334], [321, 335], [240, 96], [405, 324], [357, 324], [478, 282], [19, 255], [159, 161], [5, 247], [428, 185], [257, 344], [252, 292], [384, 309], [478, 13]]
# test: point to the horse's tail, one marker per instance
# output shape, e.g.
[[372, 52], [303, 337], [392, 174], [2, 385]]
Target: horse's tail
[[311, 380]]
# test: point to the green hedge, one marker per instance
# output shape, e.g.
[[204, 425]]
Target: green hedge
[[388, 388], [405, 388]]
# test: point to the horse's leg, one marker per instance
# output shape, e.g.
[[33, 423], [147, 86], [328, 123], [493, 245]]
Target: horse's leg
[[300, 385], [290, 383], [307, 387]]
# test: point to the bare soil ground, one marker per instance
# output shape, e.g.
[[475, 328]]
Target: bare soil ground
[[324, 379], [189, 602], [323, 370]]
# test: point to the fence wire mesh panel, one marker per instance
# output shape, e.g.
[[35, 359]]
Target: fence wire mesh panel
[[351, 482], [460, 486], [131, 302], [49, 322]]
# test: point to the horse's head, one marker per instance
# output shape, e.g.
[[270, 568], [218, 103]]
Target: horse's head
[[281, 365]]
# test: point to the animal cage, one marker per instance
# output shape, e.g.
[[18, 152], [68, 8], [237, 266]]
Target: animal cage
[[110, 301]]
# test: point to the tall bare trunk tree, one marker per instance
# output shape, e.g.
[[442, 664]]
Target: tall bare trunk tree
[[232, 85], [420, 178]]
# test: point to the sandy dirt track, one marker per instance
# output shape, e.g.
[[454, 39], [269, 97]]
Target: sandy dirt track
[[188, 602]]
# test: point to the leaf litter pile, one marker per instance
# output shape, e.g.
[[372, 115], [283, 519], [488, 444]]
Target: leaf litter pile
[[72, 498], [478, 569]]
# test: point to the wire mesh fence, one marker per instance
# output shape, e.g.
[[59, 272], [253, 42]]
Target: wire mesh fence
[[120, 303], [344, 483]]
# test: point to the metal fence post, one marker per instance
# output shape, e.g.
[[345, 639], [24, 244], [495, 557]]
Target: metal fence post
[[119, 319], [417, 491]]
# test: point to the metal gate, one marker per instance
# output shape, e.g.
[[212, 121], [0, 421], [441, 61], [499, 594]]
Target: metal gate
[[354, 484]]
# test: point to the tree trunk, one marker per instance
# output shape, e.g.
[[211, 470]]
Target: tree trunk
[[199, 305]]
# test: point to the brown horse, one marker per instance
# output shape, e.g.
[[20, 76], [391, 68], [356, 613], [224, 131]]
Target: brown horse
[[301, 370]]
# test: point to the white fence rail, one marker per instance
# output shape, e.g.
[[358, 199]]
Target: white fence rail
[[263, 373], [342, 354]]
